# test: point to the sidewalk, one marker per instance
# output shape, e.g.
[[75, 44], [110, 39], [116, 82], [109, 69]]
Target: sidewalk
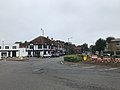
[[16, 59]]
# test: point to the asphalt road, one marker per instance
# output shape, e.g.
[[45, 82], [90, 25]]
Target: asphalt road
[[52, 74]]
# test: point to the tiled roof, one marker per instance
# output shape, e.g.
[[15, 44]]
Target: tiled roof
[[41, 40]]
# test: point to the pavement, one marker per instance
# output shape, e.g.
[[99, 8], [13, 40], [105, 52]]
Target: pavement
[[55, 74]]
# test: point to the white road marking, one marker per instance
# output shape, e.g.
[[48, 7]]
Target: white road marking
[[109, 69], [89, 67]]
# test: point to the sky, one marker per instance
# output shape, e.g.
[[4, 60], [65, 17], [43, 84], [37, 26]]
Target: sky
[[83, 20]]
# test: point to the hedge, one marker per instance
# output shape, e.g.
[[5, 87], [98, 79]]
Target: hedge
[[73, 58]]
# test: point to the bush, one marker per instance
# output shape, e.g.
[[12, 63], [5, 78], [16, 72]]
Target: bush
[[72, 58]]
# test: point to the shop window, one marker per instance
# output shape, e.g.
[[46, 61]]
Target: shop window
[[6, 47]]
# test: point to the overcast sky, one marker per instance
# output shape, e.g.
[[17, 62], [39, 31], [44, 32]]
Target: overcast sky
[[83, 20]]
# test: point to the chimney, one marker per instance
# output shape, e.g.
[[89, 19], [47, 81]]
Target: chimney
[[47, 37], [52, 39]]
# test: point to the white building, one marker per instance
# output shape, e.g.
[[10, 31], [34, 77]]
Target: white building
[[12, 50]]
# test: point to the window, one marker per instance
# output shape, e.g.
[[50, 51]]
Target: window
[[14, 47], [6, 47], [39, 46], [49, 47], [27, 46], [0, 47], [31, 46], [45, 46]]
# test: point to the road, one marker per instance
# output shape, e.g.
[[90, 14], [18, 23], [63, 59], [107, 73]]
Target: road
[[53, 74]]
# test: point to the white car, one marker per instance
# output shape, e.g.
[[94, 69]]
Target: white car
[[47, 55]]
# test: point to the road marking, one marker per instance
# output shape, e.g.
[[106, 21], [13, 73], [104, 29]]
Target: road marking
[[109, 69], [89, 67]]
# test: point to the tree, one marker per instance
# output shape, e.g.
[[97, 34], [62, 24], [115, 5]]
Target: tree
[[71, 51], [100, 45], [93, 49], [108, 39], [84, 47]]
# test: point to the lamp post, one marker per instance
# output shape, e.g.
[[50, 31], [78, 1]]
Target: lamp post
[[69, 45]]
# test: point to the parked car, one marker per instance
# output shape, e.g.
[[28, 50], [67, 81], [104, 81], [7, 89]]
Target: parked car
[[55, 55], [47, 55]]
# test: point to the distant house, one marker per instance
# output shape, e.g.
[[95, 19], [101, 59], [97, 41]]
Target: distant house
[[78, 49], [60, 47], [113, 46]]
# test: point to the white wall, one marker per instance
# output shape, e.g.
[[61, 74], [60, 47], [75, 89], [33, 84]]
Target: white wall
[[41, 53], [10, 46], [22, 52]]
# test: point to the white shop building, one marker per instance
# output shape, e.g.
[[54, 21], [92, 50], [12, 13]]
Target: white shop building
[[12, 50]]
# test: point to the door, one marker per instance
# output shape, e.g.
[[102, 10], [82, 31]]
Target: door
[[13, 53]]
